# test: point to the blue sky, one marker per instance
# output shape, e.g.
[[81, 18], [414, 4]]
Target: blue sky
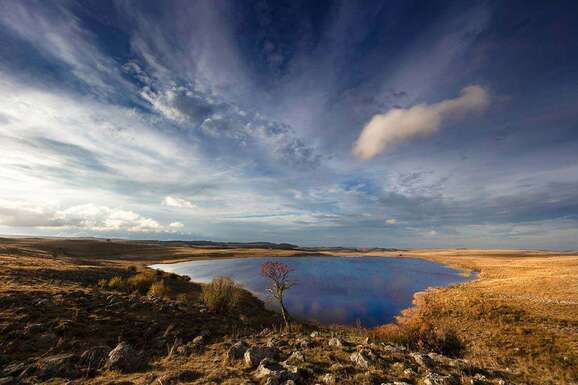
[[370, 123]]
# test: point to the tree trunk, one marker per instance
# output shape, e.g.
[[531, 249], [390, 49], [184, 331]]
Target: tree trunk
[[285, 314]]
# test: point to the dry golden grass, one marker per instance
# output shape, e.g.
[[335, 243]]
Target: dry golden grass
[[521, 312]]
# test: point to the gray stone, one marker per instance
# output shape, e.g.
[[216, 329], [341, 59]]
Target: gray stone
[[479, 379], [296, 357], [421, 359], [237, 351], [199, 340], [432, 378], [269, 369], [361, 359], [255, 354], [335, 342], [329, 379], [123, 357]]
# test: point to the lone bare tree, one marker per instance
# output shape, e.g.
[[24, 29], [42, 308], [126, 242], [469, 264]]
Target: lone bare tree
[[278, 274]]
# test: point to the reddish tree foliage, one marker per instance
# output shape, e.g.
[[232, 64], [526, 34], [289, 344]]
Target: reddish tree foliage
[[278, 274]]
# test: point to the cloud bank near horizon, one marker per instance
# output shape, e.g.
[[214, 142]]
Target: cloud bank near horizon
[[399, 125]]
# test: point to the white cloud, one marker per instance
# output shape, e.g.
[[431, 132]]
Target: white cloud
[[86, 216], [172, 201], [391, 221], [400, 124]]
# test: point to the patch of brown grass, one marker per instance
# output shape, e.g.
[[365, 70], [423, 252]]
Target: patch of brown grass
[[221, 295], [521, 313], [419, 334]]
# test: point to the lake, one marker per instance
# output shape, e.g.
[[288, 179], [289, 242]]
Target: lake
[[334, 290]]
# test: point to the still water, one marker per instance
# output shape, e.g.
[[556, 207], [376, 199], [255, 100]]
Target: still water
[[334, 290]]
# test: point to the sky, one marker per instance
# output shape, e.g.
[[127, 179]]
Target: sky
[[334, 123]]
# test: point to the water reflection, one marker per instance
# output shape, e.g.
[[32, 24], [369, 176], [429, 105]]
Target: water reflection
[[335, 289]]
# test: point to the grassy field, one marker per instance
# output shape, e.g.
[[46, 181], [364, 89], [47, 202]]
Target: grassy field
[[521, 313]]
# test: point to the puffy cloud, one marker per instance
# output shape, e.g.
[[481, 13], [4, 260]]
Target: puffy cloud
[[87, 216], [391, 221], [172, 201], [401, 124]]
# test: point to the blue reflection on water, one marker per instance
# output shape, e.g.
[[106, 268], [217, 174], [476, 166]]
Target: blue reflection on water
[[331, 290]]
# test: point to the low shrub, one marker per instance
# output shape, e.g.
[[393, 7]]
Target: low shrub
[[117, 283], [142, 282], [221, 295], [159, 289], [418, 334]]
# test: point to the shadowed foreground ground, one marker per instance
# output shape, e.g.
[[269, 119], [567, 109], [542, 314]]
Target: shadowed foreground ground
[[519, 319]]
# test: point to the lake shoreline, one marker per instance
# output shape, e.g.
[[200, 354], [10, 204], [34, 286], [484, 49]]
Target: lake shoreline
[[403, 314], [521, 312]]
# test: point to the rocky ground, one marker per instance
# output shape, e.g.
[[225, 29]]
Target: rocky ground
[[184, 353], [81, 334]]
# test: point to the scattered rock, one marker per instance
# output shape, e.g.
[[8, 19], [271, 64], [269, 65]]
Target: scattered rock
[[273, 343], [268, 368], [295, 358], [362, 359], [393, 348], [409, 373], [255, 354], [335, 342], [314, 334], [123, 357], [479, 379], [329, 379], [199, 340], [421, 359], [237, 351], [275, 374], [432, 378]]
